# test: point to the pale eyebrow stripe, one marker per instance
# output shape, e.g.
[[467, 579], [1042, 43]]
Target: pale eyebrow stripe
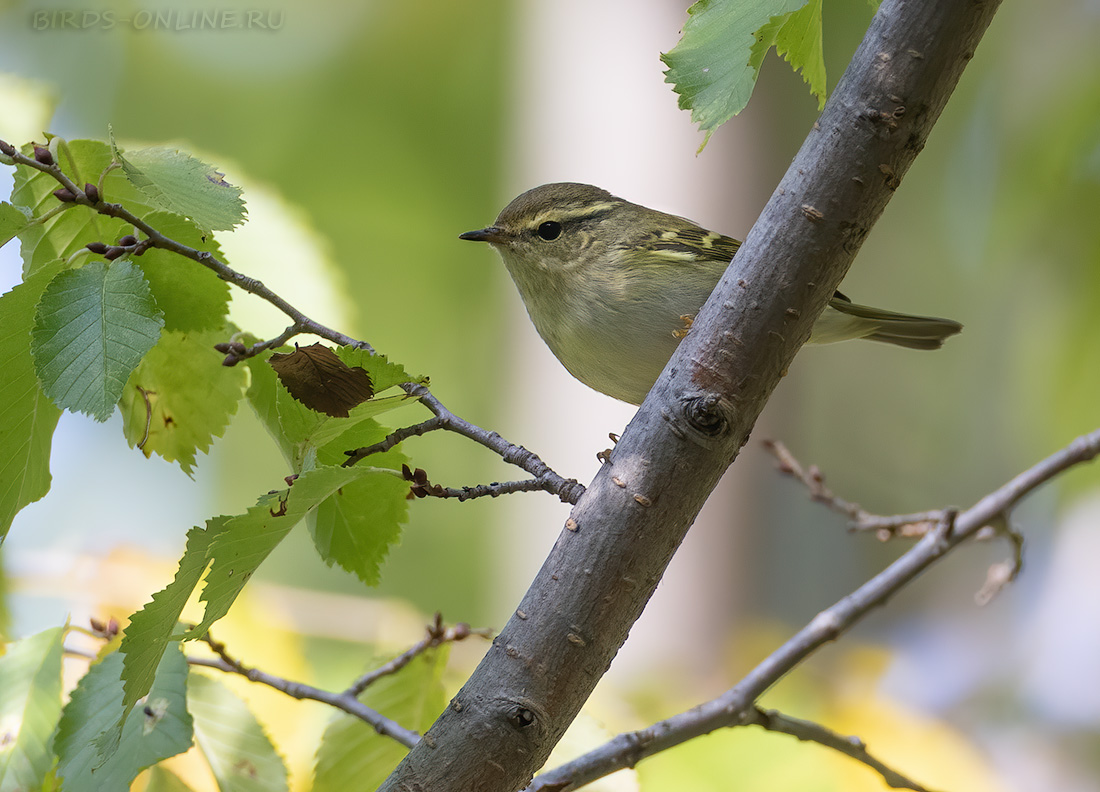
[[580, 213]]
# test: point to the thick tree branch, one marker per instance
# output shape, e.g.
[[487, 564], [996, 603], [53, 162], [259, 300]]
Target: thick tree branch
[[563, 636], [737, 706]]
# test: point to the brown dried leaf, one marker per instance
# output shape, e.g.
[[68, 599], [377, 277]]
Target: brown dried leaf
[[317, 378]]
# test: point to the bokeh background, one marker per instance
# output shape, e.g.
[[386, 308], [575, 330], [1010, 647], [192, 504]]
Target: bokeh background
[[369, 135]]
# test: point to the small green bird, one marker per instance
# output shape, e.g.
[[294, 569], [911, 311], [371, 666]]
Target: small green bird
[[613, 286]]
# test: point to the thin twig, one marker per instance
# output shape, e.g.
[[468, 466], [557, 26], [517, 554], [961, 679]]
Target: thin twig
[[736, 706], [854, 747], [423, 488], [859, 519], [300, 691], [341, 701], [567, 490], [393, 438], [438, 634], [300, 322], [347, 700]]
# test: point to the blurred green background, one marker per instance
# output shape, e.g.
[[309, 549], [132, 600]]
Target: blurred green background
[[377, 132]]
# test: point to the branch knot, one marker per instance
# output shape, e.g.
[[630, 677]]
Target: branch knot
[[707, 414]]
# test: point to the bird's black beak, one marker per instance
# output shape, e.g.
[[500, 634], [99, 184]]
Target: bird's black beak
[[490, 234]]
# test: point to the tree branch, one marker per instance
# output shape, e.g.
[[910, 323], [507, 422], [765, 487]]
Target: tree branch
[[438, 634], [568, 490], [561, 639], [736, 707], [859, 519], [853, 747]]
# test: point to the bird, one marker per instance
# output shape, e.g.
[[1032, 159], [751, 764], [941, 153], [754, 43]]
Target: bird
[[612, 286]]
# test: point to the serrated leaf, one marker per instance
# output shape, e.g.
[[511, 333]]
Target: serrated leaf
[[383, 373], [352, 755], [358, 524], [300, 431], [68, 232], [153, 628], [30, 703], [92, 758], [13, 220], [713, 67], [239, 752], [799, 42], [191, 296], [27, 416], [92, 327], [174, 180], [244, 541], [180, 396]]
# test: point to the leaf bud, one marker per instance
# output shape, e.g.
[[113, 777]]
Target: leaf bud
[[128, 240], [113, 252], [92, 192], [64, 194], [43, 155], [97, 247]]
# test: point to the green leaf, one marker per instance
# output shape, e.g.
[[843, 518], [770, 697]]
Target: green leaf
[[30, 703], [176, 181], [234, 743], [382, 373], [714, 66], [180, 396], [27, 416], [92, 327], [92, 757], [352, 755], [799, 42], [329, 429], [155, 626], [191, 296], [298, 430], [161, 780], [358, 524], [244, 541], [262, 393], [12, 221]]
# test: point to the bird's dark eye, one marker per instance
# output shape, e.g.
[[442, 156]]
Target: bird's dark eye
[[550, 230]]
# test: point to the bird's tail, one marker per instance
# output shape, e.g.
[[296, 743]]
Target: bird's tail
[[844, 319]]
